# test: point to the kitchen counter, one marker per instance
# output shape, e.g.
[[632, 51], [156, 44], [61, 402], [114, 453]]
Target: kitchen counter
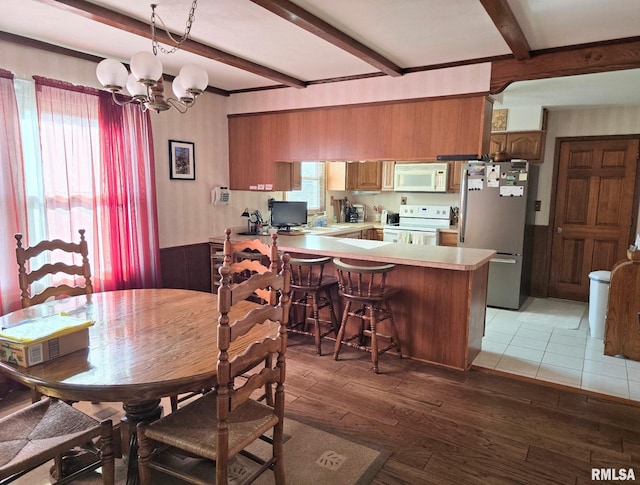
[[440, 310], [313, 242]]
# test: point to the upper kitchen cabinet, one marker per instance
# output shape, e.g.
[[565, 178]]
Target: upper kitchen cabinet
[[354, 175], [418, 129], [528, 145], [387, 175], [288, 176], [455, 175]]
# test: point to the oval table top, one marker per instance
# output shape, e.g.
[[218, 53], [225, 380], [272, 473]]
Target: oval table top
[[144, 345]]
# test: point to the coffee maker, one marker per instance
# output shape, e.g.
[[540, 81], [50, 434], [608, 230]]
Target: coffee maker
[[359, 212]]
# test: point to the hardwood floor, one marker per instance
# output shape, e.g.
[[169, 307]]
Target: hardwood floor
[[465, 428], [451, 427]]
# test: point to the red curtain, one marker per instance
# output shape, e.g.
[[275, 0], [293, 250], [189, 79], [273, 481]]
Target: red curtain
[[127, 167]]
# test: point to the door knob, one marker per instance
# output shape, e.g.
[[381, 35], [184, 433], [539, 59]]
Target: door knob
[[559, 230]]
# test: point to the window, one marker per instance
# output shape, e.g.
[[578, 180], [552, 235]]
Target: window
[[313, 186]]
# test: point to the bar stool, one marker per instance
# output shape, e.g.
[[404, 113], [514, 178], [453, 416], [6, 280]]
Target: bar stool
[[311, 290], [365, 286]]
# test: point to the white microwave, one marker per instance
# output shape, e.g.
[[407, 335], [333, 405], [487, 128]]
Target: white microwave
[[420, 177]]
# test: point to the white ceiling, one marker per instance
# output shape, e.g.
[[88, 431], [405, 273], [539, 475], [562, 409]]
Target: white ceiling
[[410, 33]]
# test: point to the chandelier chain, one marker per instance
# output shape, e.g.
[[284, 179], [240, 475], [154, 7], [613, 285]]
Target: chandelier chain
[[156, 45]]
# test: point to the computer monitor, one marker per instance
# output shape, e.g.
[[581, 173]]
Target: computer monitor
[[285, 214]]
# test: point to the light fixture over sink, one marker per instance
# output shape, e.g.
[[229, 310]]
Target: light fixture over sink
[[145, 82]]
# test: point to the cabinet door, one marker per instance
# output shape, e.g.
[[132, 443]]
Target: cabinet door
[[296, 176], [288, 176], [369, 176], [336, 173], [387, 175], [455, 173], [352, 175], [448, 238], [526, 145], [498, 143]]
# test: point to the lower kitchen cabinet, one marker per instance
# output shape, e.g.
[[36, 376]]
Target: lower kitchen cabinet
[[447, 238]]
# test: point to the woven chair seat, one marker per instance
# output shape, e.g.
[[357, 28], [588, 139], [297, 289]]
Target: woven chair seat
[[42, 431], [193, 428]]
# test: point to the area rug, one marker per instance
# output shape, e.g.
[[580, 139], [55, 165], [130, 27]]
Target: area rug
[[553, 313], [311, 456]]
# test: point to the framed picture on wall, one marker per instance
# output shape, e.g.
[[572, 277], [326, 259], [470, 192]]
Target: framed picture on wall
[[182, 161], [499, 120]]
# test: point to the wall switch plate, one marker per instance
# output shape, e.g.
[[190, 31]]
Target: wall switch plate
[[403, 201]]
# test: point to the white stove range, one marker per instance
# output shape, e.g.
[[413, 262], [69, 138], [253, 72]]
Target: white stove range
[[419, 224]]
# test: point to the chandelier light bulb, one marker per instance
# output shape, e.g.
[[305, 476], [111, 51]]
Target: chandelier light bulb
[[145, 84], [112, 74], [178, 89], [193, 77], [134, 87], [146, 66]]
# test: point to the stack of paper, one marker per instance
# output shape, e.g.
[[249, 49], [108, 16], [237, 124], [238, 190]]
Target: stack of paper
[[43, 328]]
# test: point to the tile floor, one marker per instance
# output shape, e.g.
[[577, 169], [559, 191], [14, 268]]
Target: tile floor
[[568, 357]]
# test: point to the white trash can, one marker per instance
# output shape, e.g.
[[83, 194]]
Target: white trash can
[[598, 301]]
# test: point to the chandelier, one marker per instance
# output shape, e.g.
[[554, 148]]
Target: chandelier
[[145, 84]]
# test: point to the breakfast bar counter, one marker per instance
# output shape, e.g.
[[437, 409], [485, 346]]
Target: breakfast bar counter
[[440, 312]]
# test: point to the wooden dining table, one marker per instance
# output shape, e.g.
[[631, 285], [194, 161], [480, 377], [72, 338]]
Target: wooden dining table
[[144, 345]]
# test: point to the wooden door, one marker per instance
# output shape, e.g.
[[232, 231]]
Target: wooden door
[[593, 213]]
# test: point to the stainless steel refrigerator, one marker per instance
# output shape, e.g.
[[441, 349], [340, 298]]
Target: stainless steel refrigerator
[[497, 211]]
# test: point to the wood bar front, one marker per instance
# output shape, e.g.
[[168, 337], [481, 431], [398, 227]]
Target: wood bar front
[[440, 312]]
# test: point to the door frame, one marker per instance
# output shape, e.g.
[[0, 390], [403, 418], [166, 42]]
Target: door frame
[[554, 188]]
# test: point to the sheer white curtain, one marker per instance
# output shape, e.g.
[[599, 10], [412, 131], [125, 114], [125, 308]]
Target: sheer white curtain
[[13, 205]]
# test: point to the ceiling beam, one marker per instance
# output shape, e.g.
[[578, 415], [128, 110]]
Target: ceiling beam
[[51, 48], [123, 22], [309, 22], [567, 61], [503, 18]]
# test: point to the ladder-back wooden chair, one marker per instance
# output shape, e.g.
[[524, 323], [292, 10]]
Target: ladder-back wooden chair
[[57, 249], [27, 274], [221, 424], [245, 257]]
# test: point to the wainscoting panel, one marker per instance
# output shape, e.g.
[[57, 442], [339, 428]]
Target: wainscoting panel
[[541, 256], [186, 267]]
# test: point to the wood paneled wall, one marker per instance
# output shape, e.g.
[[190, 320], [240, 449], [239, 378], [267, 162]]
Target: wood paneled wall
[[186, 267], [541, 256]]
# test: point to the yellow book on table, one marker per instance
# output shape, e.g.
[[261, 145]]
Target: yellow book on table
[[43, 338]]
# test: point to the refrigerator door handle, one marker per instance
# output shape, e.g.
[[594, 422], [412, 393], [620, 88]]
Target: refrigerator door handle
[[462, 218], [504, 260]]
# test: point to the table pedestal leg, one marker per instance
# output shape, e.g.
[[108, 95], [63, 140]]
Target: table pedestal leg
[[141, 411]]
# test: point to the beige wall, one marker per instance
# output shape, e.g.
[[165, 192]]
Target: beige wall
[[620, 120], [442, 82], [184, 210]]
